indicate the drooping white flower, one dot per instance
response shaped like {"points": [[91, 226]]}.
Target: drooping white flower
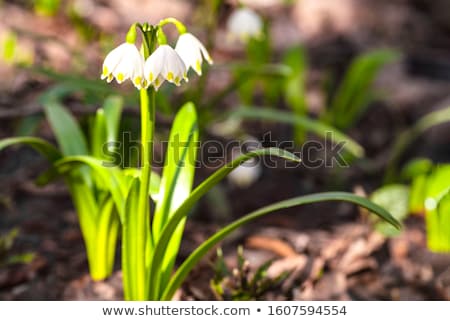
{"points": [[245, 23], [124, 62], [164, 64], [246, 174], [192, 52], [249, 171]]}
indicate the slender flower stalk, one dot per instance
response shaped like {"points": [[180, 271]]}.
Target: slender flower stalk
{"points": [[147, 98]]}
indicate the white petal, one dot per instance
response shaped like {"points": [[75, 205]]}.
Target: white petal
{"points": [[111, 61], [123, 70], [192, 52], [137, 76], [153, 65], [245, 174], [164, 64], [245, 23], [122, 63], [158, 82]]}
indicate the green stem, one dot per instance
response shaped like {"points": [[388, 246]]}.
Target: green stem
{"points": [[180, 27], [137, 236], [143, 226]]}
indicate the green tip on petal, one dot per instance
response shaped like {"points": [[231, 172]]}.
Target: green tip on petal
{"points": [[198, 66], [169, 76], [120, 77], [137, 81]]}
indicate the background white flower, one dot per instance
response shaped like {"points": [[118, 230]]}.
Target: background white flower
{"points": [[246, 174], [124, 62], [249, 171], [245, 23], [192, 52], [164, 64]]}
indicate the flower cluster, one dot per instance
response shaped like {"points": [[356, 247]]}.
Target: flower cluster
{"points": [[165, 63]]}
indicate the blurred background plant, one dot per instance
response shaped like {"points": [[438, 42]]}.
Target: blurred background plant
{"points": [[6, 245], [240, 283]]}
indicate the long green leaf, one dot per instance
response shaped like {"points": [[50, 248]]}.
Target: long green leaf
{"points": [[107, 230], [129, 247], [198, 254], [113, 110], [177, 180], [178, 172], [406, 138], [438, 185], [105, 127], [312, 125], [155, 181], [197, 193], [354, 92], [69, 135], [111, 176], [46, 149], [87, 210], [295, 87], [98, 133]]}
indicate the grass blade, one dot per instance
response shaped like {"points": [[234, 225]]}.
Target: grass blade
{"points": [[197, 193], [176, 183], [46, 149], [129, 247], [113, 110], [111, 177], [406, 138], [312, 125], [295, 87], [69, 135], [198, 254], [353, 94]]}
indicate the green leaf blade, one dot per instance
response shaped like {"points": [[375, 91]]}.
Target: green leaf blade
{"points": [[312, 125], [198, 254], [43, 147], [176, 183], [129, 243], [197, 193], [69, 135]]}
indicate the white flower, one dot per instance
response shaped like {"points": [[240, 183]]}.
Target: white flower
{"points": [[124, 62], [245, 23], [192, 52], [245, 174], [249, 171], [164, 64]]}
